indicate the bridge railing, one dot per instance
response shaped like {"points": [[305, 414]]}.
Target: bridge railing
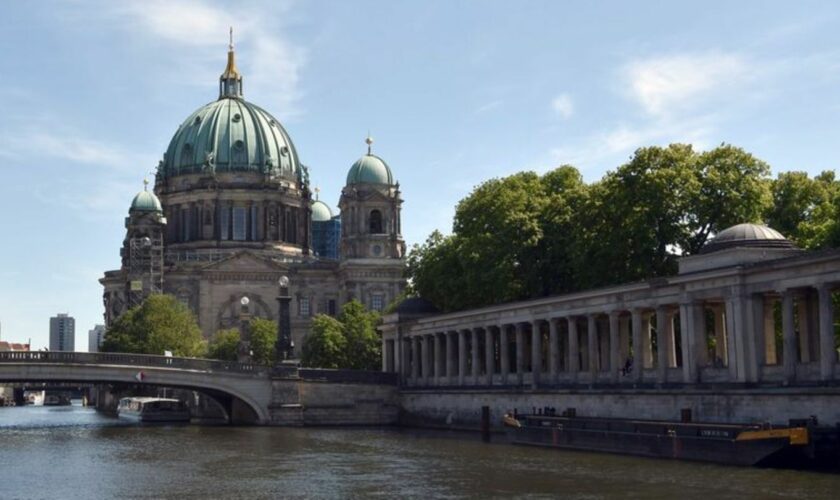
{"points": [[109, 358]]}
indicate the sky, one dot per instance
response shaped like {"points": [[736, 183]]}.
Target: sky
{"points": [[453, 93]]}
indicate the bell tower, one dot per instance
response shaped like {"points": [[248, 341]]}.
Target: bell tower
{"points": [[142, 250]]}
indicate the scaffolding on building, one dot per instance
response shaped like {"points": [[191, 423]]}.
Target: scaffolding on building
{"points": [[145, 267]]}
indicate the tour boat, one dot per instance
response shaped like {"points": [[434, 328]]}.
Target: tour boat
{"points": [[800, 444], [153, 410], [57, 400]]}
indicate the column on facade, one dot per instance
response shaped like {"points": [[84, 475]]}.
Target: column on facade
{"points": [[451, 359], [771, 357], [574, 348], [592, 345], [424, 358], [489, 355], [828, 352], [504, 353], [415, 361], [536, 352], [801, 304], [664, 339], [439, 357], [520, 352], [721, 358], [462, 356], [615, 352], [691, 329], [636, 317], [623, 341], [406, 358], [789, 357], [647, 342], [476, 364], [553, 351], [385, 354]]}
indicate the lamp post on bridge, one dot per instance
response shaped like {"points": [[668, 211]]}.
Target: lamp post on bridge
{"points": [[284, 347]]}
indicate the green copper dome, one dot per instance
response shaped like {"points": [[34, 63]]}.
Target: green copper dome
{"points": [[145, 201], [321, 211], [370, 169], [231, 135]]}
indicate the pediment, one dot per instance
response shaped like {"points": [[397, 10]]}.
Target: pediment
{"points": [[244, 261]]}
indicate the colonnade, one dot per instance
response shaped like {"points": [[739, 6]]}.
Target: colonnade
{"points": [[779, 336]]}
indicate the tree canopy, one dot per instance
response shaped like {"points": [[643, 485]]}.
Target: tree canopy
{"points": [[527, 236], [263, 340], [161, 323], [349, 341], [224, 345]]}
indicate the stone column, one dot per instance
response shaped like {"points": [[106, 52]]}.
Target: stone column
{"points": [[688, 333], [553, 351], [489, 358], [770, 355], [439, 362], [536, 353], [638, 348], [451, 362], [504, 353], [386, 354], [474, 357], [804, 328], [623, 340], [828, 353], [664, 329], [462, 356], [647, 342], [614, 348], [789, 335], [592, 344], [426, 359], [520, 352], [720, 338], [574, 349], [415, 361]]}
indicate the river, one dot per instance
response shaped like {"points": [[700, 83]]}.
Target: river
{"points": [[74, 452]]}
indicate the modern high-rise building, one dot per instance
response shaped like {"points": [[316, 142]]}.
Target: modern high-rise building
{"points": [[62, 333], [95, 338]]}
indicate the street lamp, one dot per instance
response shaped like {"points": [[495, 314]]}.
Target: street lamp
{"points": [[284, 345], [244, 331]]}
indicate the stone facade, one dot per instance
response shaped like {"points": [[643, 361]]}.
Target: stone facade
{"points": [[231, 213], [751, 311]]}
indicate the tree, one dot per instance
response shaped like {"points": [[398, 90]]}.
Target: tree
{"points": [[224, 345], [805, 210], [161, 323], [263, 340], [364, 347], [348, 342], [324, 346]]}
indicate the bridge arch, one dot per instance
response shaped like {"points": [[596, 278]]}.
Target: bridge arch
{"points": [[248, 383]]}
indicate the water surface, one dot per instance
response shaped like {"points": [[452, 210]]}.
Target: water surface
{"points": [[73, 452]]}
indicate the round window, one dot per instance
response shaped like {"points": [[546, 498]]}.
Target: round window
{"points": [[237, 117], [238, 144]]}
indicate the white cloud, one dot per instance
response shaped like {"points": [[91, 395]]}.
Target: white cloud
{"points": [[563, 105], [197, 32], [666, 84]]}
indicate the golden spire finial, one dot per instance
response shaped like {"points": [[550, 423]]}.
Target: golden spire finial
{"points": [[230, 46], [230, 83]]}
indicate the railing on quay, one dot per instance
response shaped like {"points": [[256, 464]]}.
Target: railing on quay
{"points": [[347, 376], [108, 358]]}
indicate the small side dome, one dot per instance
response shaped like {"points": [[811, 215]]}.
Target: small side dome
{"points": [[145, 201], [747, 235], [321, 211], [370, 169]]}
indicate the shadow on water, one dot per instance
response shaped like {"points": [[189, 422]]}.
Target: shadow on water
{"points": [[92, 456]]}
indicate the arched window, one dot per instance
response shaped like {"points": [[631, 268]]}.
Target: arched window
{"points": [[375, 222]]}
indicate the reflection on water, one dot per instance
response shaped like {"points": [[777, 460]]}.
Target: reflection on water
{"points": [[73, 452]]}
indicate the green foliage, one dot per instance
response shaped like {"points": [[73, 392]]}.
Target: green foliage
{"points": [[161, 323], [350, 342], [263, 340], [325, 345], [224, 345], [527, 236]]}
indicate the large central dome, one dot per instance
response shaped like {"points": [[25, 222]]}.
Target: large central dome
{"points": [[231, 135]]}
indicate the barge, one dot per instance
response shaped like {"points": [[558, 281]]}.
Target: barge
{"points": [[801, 444]]}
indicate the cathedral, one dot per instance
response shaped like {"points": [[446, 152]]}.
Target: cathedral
{"points": [[232, 211]]}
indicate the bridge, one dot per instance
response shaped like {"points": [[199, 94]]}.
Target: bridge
{"points": [[244, 387]]}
